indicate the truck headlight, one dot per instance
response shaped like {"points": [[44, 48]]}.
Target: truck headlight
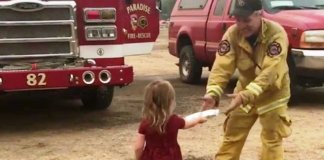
{"points": [[99, 33], [312, 39], [99, 15]]}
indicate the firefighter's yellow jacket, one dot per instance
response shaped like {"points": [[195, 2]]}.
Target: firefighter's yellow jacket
{"points": [[263, 72]]}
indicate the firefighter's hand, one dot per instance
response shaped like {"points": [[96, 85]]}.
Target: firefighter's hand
{"points": [[209, 102], [236, 102]]}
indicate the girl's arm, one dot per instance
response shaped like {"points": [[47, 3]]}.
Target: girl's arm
{"points": [[139, 145], [194, 119], [199, 117]]}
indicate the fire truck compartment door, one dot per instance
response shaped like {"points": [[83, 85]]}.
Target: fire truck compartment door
{"points": [[141, 26]]}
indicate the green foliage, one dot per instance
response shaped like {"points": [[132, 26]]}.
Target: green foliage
{"points": [[167, 6]]}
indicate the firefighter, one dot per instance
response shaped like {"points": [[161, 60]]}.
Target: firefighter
{"points": [[257, 48]]}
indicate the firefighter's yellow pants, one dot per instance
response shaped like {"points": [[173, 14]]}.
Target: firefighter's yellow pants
{"points": [[275, 127]]}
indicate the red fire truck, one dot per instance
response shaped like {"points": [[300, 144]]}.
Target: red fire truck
{"points": [[74, 45]]}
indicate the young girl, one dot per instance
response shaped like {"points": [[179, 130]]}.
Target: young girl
{"points": [[158, 131]]}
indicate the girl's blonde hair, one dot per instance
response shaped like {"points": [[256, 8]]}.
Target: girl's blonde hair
{"points": [[159, 97]]}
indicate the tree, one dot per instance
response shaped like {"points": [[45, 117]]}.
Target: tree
{"points": [[167, 6]]}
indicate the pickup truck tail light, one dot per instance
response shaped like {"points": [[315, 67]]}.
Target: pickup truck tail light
{"points": [[99, 15], [312, 39]]}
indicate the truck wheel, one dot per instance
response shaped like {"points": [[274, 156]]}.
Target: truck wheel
{"points": [[189, 68], [97, 98]]}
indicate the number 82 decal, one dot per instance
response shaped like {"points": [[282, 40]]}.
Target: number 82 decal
{"points": [[36, 79]]}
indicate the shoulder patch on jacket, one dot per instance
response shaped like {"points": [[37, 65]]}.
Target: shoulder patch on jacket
{"points": [[224, 47], [274, 49]]}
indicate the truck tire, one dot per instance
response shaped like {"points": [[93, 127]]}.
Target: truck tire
{"points": [[190, 69], [293, 79], [97, 98]]}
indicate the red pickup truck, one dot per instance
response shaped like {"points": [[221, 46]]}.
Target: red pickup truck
{"points": [[197, 26]]}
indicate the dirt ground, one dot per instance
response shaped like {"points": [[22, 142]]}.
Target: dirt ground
{"points": [[46, 127]]}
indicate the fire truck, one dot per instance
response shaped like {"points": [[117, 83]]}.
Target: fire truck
{"points": [[76, 45]]}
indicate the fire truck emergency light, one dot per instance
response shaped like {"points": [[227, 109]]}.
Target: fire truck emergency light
{"points": [[98, 33], [99, 15]]}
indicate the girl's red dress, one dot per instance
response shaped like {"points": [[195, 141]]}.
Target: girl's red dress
{"points": [[162, 146]]}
